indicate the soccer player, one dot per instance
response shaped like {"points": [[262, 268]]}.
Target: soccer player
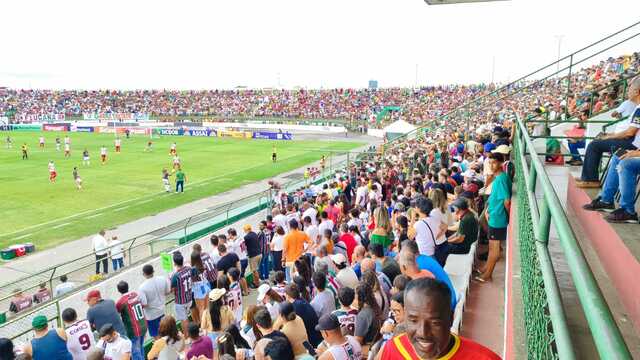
{"points": [[176, 162], [57, 143], [85, 157], [172, 150], [76, 178], [80, 339], [67, 140], [130, 309], [52, 172], [118, 143], [103, 154], [274, 155], [41, 143], [25, 154], [165, 180], [67, 150], [322, 163], [149, 146], [8, 142]]}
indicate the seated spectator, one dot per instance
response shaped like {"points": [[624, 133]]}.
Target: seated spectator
{"points": [[304, 311], [467, 232], [19, 302], [47, 343], [200, 345], [426, 301], [170, 343], [115, 345], [293, 328], [575, 142], [270, 299], [621, 175], [388, 265], [624, 139], [409, 267], [64, 286], [279, 349], [265, 325], [42, 295]]}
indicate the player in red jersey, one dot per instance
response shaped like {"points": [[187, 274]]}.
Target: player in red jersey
{"points": [[130, 309], [172, 149], [52, 172], [428, 318]]}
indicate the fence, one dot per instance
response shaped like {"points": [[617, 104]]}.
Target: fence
{"points": [[185, 233], [545, 325]]}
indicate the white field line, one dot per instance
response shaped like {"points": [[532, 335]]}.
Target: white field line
{"points": [[93, 216], [23, 236], [122, 208], [144, 202], [61, 225], [140, 198]]}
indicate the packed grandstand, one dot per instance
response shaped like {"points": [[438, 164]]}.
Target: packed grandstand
{"points": [[364, 265]]}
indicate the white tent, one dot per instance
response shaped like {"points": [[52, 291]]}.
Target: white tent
{"points": [[399, 127]]}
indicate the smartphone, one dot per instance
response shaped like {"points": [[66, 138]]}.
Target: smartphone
{"points": [[620, 152]]}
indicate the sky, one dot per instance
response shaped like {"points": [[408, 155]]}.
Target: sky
{"points": [[223, 44]]}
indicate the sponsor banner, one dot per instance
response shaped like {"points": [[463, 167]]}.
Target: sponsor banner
{"points": [[115, 116], [83, 129], [171, 131], [41, 118], [121, 130], [55, 127], [236, 134], [26, 127], [200, 132], [272, 135]]}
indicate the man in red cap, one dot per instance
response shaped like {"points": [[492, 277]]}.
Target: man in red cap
{"points": [[103, 311]]}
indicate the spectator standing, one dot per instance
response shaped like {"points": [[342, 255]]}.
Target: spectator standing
{"points": [[153, 296], [227, 260], [103, 311], [339, 346], [368, 320], [264, 239], [254, 253], [293, 247], [101, 250], [239, 246], [47, 343], [182, 288], [293, 327], [277, 246], [132, 314], [200, 345], [117, 253], [305, 311], [80, 337], [64, 287], [323, 302], [423, 227], [181, 178]]}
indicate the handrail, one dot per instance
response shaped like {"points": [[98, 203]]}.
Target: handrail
{"points": [[516, 83], [606, 335]]}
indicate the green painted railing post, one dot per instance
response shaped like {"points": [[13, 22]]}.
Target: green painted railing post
{"points": [[544, 224]]}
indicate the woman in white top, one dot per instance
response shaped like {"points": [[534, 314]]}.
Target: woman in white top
{"points": [[439, 214], [277, 246], [170, 344], [423, 228]]}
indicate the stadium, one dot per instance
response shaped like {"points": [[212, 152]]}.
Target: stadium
{"points": [[158, 211]]}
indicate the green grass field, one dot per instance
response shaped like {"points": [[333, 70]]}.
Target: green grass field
{"points": [[129, 185]]}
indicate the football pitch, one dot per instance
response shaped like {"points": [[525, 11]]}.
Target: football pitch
{"points": [[128, 186]]}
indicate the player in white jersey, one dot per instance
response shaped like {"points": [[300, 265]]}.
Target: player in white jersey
{"points": [[172, 150], [52, 172], [67, 150], [176, 162], [118, 142], [57, 143], [80, 340], [42, 143], [103, 154], [67, 140]]}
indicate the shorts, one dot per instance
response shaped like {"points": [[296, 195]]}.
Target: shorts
{"points": [[254, 262], [154, 326], [201, 289], [86, 158], [103, 157], [497, 233], [243, 265], [182, 311]]}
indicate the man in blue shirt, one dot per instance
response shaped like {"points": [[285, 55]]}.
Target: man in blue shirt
{"points": [[497, 213]]}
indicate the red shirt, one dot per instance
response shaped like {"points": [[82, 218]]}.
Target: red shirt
{"points": [[400, 348], [350, 242]]}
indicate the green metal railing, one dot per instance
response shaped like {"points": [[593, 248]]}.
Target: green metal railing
{"points": [[546, 326]]}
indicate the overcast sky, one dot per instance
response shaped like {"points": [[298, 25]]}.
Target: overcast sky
{"points": [[136, 44]]}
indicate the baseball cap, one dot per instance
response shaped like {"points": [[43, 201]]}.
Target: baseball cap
{"points": [[216, 294], [338, 258], [262, 291], [39, 322], [93, 294], [488, 147], [328, 322], [502, 149], [460, 203]]}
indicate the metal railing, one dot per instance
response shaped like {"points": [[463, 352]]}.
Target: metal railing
{"points": [[546, 327], [174, 237]]}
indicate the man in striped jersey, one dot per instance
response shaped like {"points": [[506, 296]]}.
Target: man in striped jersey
{"points": [[211, 274], [234, 296], [181, 286], [130, 309]]}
